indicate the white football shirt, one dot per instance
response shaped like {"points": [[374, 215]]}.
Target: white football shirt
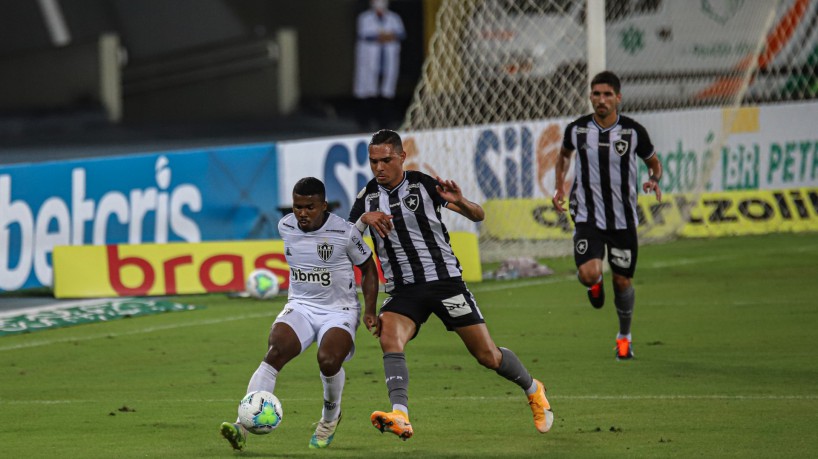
{"points": [[321, 262]]}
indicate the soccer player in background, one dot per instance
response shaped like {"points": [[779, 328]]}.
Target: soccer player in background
{"points": [[602, 203], [423, 277], [322, 303]]}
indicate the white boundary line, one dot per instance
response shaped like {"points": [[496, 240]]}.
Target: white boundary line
{"points": [[658, 397]]}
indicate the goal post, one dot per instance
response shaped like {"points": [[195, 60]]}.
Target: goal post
{"points": [[503, 78]]}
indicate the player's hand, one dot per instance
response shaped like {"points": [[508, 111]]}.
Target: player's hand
{"points": [[372, 323], [653, 185], [559, 200], [379, 221], [449, 190]]}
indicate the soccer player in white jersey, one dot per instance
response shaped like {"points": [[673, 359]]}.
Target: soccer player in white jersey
{"points": [[322, 303], [423, 277], [603, 197]]}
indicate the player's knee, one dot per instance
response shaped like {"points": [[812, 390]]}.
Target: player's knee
{"points": [[490, 359], [329, 364], [390, 343], [395, 332], [589, 276], [278, 355], [621, 283]]}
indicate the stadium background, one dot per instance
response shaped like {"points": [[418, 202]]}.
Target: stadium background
{"points": [[726, 325], [217, 107]]}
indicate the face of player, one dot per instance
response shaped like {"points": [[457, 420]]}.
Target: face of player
{"points": [[605, 100], [386, 165], [309, 211]]}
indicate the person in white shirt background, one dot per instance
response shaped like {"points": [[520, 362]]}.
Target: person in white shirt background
{"points": [[377, 64]]}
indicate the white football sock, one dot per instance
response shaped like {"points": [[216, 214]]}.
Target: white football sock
{"points": [[263, 379], [333, 388]]}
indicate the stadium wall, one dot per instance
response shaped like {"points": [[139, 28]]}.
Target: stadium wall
{"points": [[771, 147], [235, 192]]}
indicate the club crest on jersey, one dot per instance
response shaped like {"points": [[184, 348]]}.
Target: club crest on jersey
{"points": [[621, 147], [412, 202], [324, 251]]}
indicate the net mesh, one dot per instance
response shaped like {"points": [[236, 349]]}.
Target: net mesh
{"points": [[503, 78]]}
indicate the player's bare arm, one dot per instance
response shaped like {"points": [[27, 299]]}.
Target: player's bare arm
{"points": [[369, 286], [451, 192], [652, 185], [560, 168]]}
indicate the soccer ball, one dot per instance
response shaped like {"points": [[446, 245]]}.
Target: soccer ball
{"points": [[260, 412], [262, 284]]}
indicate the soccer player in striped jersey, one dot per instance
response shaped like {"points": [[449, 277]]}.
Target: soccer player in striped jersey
{"points": [[602, 203], [423, 277], [322, 303]]}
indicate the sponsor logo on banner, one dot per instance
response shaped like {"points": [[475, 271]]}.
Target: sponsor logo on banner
{"points": [[67, 315], [163, 269], [156, 198], [713, 214]]}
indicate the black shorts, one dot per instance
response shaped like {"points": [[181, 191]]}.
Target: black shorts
{"points": [[450, 300], [623, 247]]}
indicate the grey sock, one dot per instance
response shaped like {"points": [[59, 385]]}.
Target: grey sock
{"points": [[512, 369], [624, 309], [397, 377]]}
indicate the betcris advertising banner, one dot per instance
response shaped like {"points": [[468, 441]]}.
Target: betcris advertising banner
{"points": [[761, 148], [188, 196]]}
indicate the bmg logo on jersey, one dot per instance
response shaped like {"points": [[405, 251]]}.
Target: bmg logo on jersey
{"points": [[320, 276]]}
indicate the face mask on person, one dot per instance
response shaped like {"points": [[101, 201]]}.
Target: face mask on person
{"points": [[380, 5]]}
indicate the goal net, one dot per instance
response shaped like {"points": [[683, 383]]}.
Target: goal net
{"points": [[503, 78]]}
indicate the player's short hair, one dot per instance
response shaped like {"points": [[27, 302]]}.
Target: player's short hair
{"points": [[609, 78], [387, 137], [310, 186]]}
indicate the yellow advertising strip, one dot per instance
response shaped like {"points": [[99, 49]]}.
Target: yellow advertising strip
{"points": [[190, 268], [712, 215], [163, 269], [467, 250]]}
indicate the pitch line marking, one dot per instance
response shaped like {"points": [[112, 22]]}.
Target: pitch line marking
{"points": [[467, 398]]}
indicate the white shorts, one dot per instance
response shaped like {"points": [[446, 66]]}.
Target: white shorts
{"points": [[311, 323]]}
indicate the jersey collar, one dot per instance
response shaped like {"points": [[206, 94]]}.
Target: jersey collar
{"points": [[601, 129], [396, 186]]}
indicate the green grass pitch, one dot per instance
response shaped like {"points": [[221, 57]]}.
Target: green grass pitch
{"points": [[725, 336]]}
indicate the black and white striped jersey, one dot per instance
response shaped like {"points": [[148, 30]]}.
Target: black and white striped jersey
{"points": [[417, 250], [605, 189]]}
